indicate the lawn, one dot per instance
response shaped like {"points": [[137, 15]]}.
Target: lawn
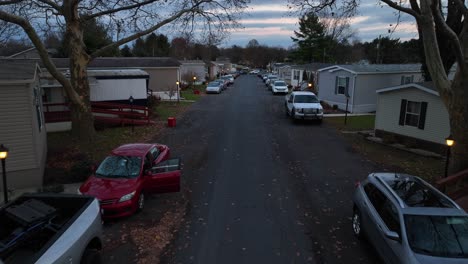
{"points": [[188, 93], [69, 161], [395, 160], [353, 123]]}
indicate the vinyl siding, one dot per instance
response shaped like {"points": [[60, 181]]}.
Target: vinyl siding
{"points": [[162, 79], [191, 69], [16, 121], [437, 126], [20, 133], [326, 88]]}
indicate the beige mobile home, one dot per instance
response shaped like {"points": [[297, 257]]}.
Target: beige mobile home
{"points": [[22, 124]]}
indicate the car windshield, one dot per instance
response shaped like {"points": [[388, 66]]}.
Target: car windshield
{"points": [[302, 98], [119, 167], [441, 236], [213, 84], [280, 84]]}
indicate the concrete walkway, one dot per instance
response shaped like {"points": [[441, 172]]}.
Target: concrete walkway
{"points": [[342, 114], [67, 188]]}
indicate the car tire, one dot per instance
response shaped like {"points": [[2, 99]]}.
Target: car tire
{"points": [[320, 121], [91, 256], [357, 224], [141, 202]]}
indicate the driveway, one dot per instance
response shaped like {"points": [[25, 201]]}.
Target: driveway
{"points": [[263, 189]]}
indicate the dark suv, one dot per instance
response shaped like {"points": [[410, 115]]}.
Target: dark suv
{"points": [[409, 221]]}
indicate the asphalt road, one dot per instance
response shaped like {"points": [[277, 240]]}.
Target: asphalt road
{"points": [[264, 189]]}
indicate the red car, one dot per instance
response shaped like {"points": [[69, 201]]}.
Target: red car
{"points": [[131, 171]]}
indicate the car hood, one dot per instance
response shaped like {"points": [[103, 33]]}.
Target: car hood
{"points": [[307, 106], [436, 260], [105, 188]]}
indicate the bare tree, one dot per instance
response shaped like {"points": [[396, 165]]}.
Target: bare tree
{"points": [[444, 34], [129, 19]]}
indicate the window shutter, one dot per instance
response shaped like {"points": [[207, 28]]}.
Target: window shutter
{"points": [[347, 87], [336, 85], [412, 78], [402, 80], [402, 112], [422, 115]]}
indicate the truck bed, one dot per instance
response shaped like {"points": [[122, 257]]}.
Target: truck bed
{"points": [[30, 224]]}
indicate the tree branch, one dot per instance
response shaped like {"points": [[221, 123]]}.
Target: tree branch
{"points": [[51, 4], [123, 8], [462, 6], [10, 2], [431, 49], [452, 36], [402, 9], [147, 31], [35, 39]]}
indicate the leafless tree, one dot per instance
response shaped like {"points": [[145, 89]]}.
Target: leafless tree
{"points": [[129, 19], [444, 34]]}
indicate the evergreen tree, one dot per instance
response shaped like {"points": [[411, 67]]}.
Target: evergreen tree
{"points": [[310, 39]]}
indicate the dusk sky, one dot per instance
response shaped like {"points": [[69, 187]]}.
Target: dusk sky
{"points": [[270, 23]]}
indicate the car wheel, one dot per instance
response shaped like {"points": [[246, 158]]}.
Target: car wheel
{"points": [[141, 202], [293, 114], [91, 256], [357, 224]]}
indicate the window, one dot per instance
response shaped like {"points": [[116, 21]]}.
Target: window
{"points": [[407, 79], [413, 110], [296, 75], [389, 215], [376, 197], [341, 85], [38, 106], [413, 113]]}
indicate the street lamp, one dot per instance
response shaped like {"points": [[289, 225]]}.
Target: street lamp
{"points": [[3, 156], [450, 142], [178, 91], [131, 107]]}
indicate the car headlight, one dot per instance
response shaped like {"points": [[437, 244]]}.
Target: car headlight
{"points": [[299, 110], [127, 197], [320, 111], [78, 191]]}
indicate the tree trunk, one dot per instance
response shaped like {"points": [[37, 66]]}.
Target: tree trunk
{"points": [[458, 112], [82, 117]]}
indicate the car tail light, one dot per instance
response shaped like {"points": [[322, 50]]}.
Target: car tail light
{"points": [[357, 184]]}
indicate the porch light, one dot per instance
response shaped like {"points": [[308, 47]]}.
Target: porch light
{"points": [[3, 156], [3, 152], [449, 141]]}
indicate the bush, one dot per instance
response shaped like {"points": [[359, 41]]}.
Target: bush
{"points": [[335, 107]]}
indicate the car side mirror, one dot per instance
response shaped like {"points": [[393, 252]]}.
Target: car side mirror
{"points": [[290, 101], [393, 236]]}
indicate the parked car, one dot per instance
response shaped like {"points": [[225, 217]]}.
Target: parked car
{"points": [[214, 87], [128, 174], [228, 77], [224, 82], [303, 105], [408, 221], [279, 87], [269, 80], [51, 228]]}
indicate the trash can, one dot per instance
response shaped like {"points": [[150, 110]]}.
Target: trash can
{"points": [[171, 122]]}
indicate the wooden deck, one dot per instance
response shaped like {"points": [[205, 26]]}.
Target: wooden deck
{"points": [[111, 113], [456, 187]]}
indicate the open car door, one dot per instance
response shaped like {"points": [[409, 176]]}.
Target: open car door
{"points": [[164, 177]]}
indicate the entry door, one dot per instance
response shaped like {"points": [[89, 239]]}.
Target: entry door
{"points": [[165, 176]]}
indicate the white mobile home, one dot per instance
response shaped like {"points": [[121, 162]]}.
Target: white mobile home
{"points": [[359, 83], [414, 114]]}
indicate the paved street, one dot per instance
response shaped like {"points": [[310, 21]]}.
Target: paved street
{"points": [[263, 189]]}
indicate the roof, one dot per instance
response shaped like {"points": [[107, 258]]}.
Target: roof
{"points": [[123, 62], [411, 191], [138, 149], [120, 72], [311, 66], [18, 72], [375, 68], [427, 87], [191, 62], [302, 93]]}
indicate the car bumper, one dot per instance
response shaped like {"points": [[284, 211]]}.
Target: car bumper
{"points": [[308, 116], [117, 210], [285, 91], [213, 91]]}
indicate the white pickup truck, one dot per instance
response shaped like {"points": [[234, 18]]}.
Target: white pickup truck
{"points": [[50, 228]]}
